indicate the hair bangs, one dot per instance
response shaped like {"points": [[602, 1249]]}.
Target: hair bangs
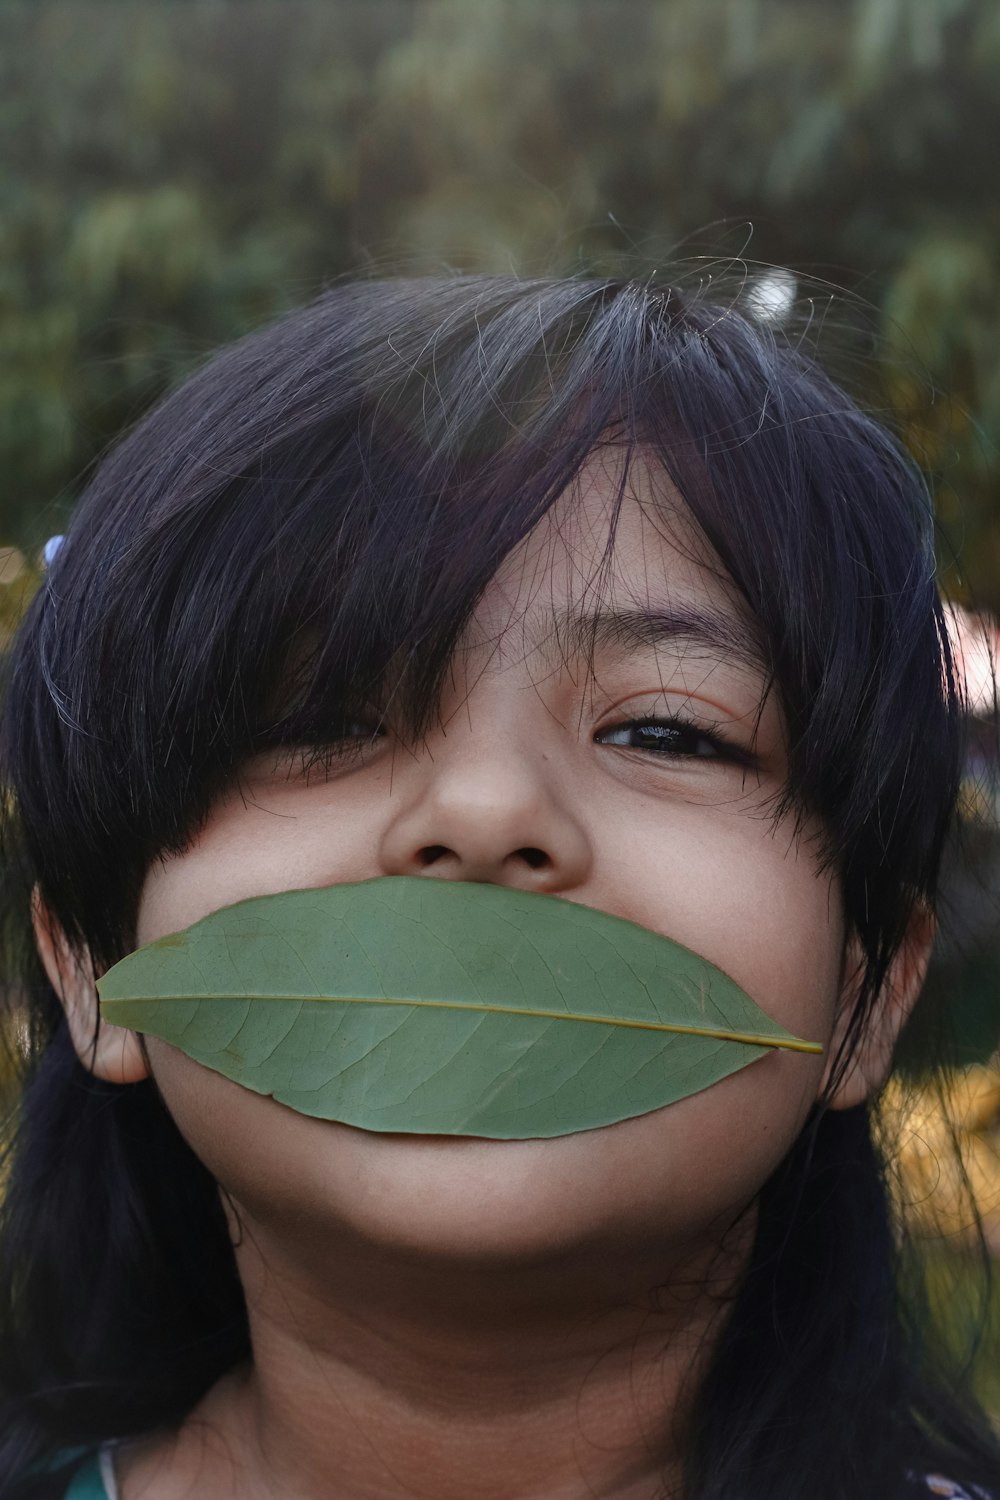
{"points": [[311, 516]]}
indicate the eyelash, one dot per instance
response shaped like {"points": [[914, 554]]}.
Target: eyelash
{"points": [[677, 728], [307, 756]]}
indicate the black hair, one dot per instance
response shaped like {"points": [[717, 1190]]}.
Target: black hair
{"points": [[316, 512]]}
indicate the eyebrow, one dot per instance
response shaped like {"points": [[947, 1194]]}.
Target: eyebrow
{"points": [[719, 632]]}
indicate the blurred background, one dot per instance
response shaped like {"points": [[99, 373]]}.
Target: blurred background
{"points": [[175, 172]]}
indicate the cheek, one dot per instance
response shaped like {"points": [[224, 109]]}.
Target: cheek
{"points": [[744, 895], [247, 850]]}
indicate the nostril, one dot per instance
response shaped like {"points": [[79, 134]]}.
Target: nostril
{"points": [[432, 853], [535, 859]]}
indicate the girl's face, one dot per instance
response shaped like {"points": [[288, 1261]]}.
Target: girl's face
{"points": [[603, 740]]}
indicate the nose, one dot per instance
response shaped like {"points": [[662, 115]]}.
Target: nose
{"points": [[497, 818]]}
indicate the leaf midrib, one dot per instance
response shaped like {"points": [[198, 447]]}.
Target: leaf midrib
{"points": [[720, 1033]]}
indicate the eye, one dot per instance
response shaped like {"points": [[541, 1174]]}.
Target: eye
{"points": [[356, 729], [351, 737], [672, 738], [316, 757]]}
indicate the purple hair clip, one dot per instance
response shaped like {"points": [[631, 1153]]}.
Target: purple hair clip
{"points": [[51, 549]]}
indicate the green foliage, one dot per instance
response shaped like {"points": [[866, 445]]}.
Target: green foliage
{"points": [[172, 174], [170, 177], [963, 1298]]}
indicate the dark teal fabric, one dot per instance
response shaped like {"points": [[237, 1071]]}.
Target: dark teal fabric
{"points": [[87, 1483], [69, 1476]]}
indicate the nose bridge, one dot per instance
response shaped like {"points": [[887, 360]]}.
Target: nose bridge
{"points": [[485, 804]]}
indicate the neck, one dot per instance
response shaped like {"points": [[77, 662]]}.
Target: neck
{"points": [[392, 1379]]}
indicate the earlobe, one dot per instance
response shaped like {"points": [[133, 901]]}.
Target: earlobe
{"points": [[109, 1052], [871, 1062]]}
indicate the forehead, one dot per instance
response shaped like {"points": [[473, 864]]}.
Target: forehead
{"points": [[619, 540]]}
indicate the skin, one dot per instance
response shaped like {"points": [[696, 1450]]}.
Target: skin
{"points": [[442, 1317]]}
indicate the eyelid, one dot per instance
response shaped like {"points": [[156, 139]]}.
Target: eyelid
{"points": [[322, 757], [367, 733], [305, 749], [288, 735], [662, 693], [677, 705]]}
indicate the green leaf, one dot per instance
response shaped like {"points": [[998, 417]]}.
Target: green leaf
{"points": [[442, 1007]]}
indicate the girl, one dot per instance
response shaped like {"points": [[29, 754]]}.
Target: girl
{"points": [[590, 589]]}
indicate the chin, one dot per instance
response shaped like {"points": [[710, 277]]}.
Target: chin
{"points": [[464, 1198], [602, 1208]]}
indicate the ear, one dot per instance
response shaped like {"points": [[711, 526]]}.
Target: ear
{"points": [[872, 1060], [109, 1052]]}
